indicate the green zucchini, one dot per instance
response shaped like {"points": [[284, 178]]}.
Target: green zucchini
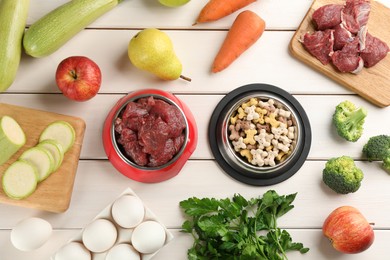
{"points": [[60, 131], [20, 180], [13, 17], [12, 138], [53, 30]]}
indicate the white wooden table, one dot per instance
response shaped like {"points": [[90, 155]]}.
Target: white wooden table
{"points": [[97, 183]]}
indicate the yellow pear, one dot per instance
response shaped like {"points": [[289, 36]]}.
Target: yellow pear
{"points": [[152, 50]]}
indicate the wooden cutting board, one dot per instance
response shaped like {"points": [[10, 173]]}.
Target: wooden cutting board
{"points": [[372, 84], [54, 193]]}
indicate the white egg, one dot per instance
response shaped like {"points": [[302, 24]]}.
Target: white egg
{"points": [[128, 211], [99, 235], [30, 234], [123, 252], [73, 251], [148, 237]]}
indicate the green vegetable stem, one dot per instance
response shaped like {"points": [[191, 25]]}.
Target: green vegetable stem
{"points": [[238, 228]]}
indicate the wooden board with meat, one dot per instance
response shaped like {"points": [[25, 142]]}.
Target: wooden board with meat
{"points": [[348, 42], [54, 193]]}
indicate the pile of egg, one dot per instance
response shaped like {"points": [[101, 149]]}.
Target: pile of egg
{"points": [[126, 229]]}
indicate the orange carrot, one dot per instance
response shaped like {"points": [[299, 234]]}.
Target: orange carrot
{"points": [[244, 32], [216, 9]]}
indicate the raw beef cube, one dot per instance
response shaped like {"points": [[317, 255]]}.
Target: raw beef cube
{"points": [[164, 156], [127, 135], [355, 15], [374, 51], [134, 115], [134, 110], [135, 153], [178, 142], [341, 37], [320, 44], [327, 16], [153, 135], [119, 125], [362, 35], [146, 103], [348, 59], [171, 115]]}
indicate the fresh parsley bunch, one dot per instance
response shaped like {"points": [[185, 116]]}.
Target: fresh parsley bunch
{"points": [[238, 228]]}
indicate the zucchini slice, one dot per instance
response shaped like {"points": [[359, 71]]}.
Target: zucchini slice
{"points": [[12, 138], [41, 159], [56, 150], [20, 180], [60, 131]]}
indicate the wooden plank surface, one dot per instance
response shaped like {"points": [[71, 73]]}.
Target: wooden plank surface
{"points": [[373, 83], [97, 182], [54, 193], [320, 248]]}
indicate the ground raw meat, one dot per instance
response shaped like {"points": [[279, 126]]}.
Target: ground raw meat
{"points": [[341, 37], [320, 44], [150, 131], [348, 59], [355, 15], [327, 16], [374, 51]]}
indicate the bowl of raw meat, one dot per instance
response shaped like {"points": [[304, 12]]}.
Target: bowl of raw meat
{"points": [[149, 135]]}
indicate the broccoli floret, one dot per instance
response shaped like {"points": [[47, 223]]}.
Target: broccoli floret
{"points": [[349, 120], [342, 175], [377, 147], [386, 163]]}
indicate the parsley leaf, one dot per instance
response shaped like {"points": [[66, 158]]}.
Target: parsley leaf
{"points": [[239, 229]]}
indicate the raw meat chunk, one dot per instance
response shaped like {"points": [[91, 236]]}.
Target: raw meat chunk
{"points": [[153, 135], [164, 156], [171, 115], [375, 50], [355, 15], [128, 140], [341, 37], [178, 142], [348, 59], [320, 44], [327, 16], [133, 116], [134, 151]]}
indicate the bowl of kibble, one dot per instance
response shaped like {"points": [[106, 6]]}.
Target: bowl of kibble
{"points": [[149, 135], [260, 134]]}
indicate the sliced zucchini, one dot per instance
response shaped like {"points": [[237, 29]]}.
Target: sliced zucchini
{"points": [[62, 132], [20, 180], [56, 150], [12, 138], [41, 159]]}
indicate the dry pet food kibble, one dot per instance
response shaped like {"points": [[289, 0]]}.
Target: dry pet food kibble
{"points": [[262, 132]]}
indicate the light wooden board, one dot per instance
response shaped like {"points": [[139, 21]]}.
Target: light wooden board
{"points": [[372, 84], [54, 193]]}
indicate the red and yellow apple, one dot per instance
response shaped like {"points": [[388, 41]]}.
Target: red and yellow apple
{"points": [[79, 78], [348, 230]]}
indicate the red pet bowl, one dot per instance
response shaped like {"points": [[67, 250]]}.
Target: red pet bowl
{"points": [[149, 174]]}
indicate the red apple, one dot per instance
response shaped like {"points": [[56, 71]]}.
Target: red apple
{"points": [[348, 230], [78, 78]]}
